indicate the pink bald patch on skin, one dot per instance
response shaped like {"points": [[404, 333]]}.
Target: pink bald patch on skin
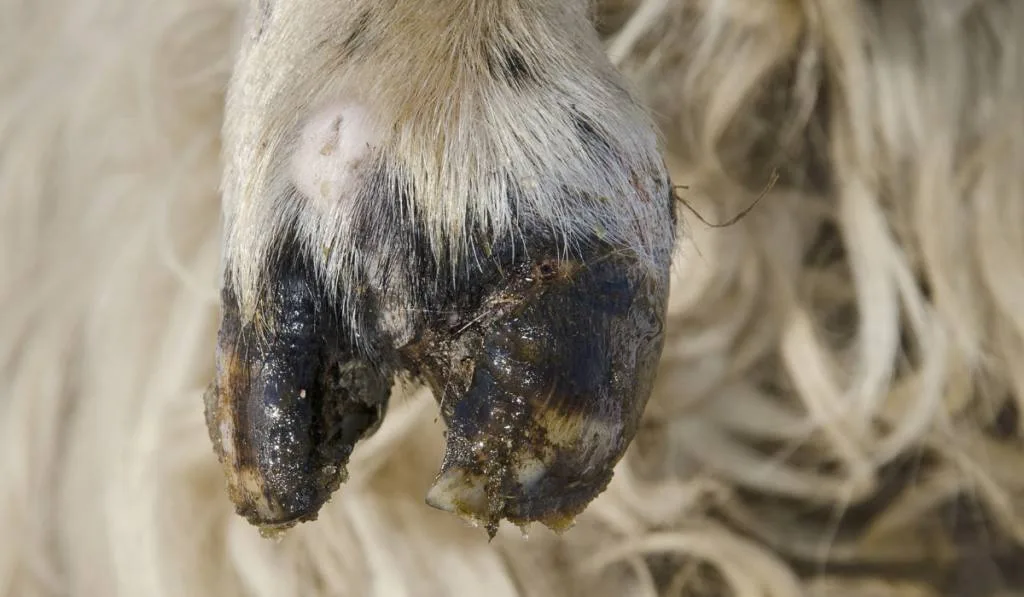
{"points": [[331, 149]]}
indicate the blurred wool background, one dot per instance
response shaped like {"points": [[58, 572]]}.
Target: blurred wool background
{"points": [[838, 408]]}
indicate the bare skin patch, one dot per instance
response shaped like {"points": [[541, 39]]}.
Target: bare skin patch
{"points": [[331, 151]]}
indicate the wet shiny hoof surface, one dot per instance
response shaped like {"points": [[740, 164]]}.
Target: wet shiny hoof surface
{"points": [[542, 362]]}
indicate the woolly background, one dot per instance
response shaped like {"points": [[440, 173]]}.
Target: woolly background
{"points": [[838, 410]]}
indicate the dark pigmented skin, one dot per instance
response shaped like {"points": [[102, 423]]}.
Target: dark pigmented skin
{"points": [[507, 64]]}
